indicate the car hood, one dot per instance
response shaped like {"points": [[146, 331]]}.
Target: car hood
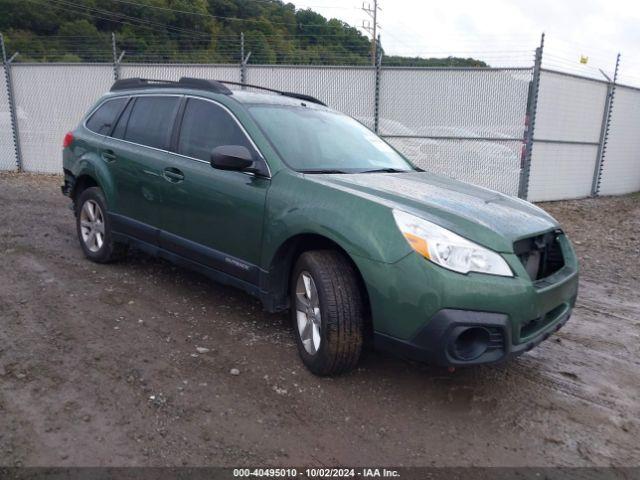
{"points": [[484, 216]]}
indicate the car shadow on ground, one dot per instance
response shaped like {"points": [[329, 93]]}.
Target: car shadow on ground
{"points": [[373, 362]]}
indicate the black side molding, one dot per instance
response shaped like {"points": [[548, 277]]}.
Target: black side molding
{"points": [[189, 250]]}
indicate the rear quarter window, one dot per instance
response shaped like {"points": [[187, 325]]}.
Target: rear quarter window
{"points": [[121, 126], [103, 118]]}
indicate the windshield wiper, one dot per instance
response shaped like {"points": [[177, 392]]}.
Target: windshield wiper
{"points": [[386, 170], [329, 170]]}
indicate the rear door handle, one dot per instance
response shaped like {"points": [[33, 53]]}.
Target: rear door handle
{"points": [[173, 175], [108, 156]]}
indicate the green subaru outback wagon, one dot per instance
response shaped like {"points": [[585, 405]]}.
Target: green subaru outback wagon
{"points": [[310, 211]]}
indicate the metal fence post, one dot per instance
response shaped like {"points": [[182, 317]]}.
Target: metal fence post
{"points": [[244, 61], [532, 105], [116, 59], [604, 130], [376, 105], [12, 102]]}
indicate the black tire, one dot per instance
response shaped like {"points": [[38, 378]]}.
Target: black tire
{"points": [[341, 312], [109, 250]]}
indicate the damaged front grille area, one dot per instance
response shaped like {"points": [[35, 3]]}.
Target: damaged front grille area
{"points": [[541, 255], [533, 326]]}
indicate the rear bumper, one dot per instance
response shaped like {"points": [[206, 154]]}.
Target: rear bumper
{"points": [[438, 343], [69, 183]]}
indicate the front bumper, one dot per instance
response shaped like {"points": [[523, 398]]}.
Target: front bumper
{"points": [[419, 309], [436, 343]]}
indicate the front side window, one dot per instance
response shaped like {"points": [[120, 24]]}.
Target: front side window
{"points": [[151, 121], [317, 140], [206, 126], [103, 118]]}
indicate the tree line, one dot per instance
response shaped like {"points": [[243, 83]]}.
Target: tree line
{"points": [[198, 31]]}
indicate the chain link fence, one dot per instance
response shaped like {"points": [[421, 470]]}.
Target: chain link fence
{"points": [[473, 124], [347, 89], [465, 123], [50, 101], [229, 73]]}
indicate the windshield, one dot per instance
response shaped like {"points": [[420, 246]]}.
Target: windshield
{"points": [[318, 141]]}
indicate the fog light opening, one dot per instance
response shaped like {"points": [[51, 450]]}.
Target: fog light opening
{"points": [[471, 343]]}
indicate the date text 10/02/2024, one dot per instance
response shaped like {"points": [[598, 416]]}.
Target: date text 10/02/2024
{"points": [[316, 472]]}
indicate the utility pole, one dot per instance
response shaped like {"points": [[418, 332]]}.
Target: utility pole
{"points": [[372, 28]]}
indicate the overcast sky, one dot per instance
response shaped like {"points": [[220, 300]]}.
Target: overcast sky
{"points": [[505, 32]]}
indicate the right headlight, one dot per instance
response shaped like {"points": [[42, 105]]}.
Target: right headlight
{"points": [[447, 249]]}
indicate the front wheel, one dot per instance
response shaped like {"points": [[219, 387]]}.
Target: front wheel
{"points": [[327, 312]]}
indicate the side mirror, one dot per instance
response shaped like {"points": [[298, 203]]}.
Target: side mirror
{"points": [[231, 157]]}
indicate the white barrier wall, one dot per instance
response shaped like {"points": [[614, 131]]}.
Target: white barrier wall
{"points": [[567, 131], [174, 72], [621, 166], [561, 171], [51, 100], [347, 89], [454, 102], [472, 121], [463, 123]]}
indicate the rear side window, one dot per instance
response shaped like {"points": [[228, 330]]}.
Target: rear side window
{"points": [[206, 126], [103, 118], [151, 120]]}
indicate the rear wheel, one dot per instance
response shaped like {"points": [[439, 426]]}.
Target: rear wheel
{"points": [[327, 312], [94, 228]]}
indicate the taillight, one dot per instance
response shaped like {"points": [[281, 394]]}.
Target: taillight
{"points": [[68, 140]]}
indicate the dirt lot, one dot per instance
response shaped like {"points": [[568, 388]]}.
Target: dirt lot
{"points": [[99, 365]]}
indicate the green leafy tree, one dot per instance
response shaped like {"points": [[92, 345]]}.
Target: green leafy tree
{"points": [[206, 31]]}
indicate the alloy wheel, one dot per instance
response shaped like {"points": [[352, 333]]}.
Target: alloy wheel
{"points": [[92, 225], [308, 313]]}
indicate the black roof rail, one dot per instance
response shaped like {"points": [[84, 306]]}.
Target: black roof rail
{"points": [[216, 86], [303, 96], [300, 96], [184, 82]]}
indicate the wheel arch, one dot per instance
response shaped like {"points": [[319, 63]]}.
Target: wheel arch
{"points": [[90, 172], [83, 182], [284, 259]]}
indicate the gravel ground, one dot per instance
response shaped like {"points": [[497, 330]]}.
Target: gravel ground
{"points": [[106, 365]]}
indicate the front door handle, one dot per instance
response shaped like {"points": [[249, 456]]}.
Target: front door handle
{"points": [[108, 156], [173, 175]]}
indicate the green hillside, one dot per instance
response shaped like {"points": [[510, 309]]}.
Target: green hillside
{"points": [[205, 31]]}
